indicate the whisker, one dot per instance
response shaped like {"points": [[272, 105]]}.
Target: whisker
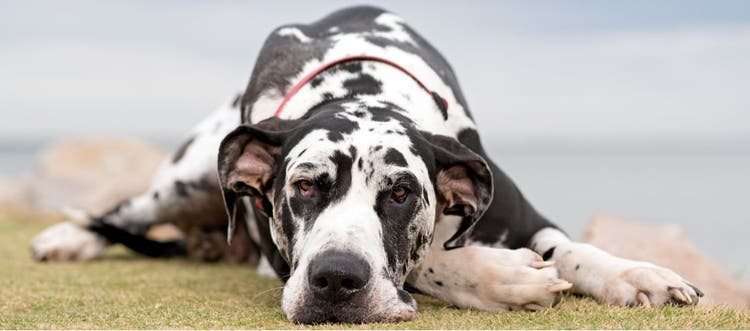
{"points": [[268, 290]]}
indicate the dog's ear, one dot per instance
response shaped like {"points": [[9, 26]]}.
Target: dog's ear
{"points": [[464, 184], [248, 158]]}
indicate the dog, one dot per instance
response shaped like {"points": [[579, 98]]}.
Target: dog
{"points": [[351, 162]]}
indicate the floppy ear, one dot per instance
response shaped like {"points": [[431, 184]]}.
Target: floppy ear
{"points": [[248, 160], [464, 184]]}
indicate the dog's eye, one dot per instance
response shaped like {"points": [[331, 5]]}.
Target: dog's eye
{"points": [[399, 194], [305, 187]]}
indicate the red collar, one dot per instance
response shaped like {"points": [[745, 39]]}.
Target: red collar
{"points": [[441, 102], [258, 202]]}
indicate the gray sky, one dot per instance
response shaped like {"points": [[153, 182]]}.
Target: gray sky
{"points": [[624, 69]]}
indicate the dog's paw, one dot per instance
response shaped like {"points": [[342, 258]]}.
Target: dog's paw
{"points": [[520, 280], [650, 286], [67, 241]]}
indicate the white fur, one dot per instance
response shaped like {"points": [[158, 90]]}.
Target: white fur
{"points": [[395, 24], [294, 32], [609, 278], [201, 156], [67, 241], [264, 268]]}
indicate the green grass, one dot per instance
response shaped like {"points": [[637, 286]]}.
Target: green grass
{"points": [[124, 291]]}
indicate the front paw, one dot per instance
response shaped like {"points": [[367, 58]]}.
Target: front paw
{"points": [[67, 241], [520, 280], [650, 286]]}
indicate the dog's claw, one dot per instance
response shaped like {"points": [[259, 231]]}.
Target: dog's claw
{"points": [[643, 299], [697, 290], [677, 294], [560, 286], [689, 297], [542, 264]]}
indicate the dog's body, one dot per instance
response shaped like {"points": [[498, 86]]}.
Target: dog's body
{"points": [[369, 179]]}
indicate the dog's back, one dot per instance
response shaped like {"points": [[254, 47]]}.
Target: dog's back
{"points": [[293, 50]]}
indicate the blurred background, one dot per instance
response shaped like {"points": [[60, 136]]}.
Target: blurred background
{"points": [[634, 109]]}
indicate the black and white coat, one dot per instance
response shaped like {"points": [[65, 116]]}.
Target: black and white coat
{"points": [[363, 186]]}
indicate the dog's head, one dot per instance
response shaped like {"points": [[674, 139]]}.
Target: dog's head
{"points": [[352, 192]]}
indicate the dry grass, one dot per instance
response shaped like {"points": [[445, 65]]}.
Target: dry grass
{"points": [[124, 291]]}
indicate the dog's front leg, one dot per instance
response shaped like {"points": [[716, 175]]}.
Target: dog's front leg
{"points": [[611, 279], [490, 279]]}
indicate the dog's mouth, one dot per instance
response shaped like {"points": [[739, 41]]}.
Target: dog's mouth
{"points": [[333, 314], [367, 309]]}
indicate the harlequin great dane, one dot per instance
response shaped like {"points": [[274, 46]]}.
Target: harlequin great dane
{"points": [[352, 162]]}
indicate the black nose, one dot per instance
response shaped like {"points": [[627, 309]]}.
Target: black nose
{"points": [[337, 276]]}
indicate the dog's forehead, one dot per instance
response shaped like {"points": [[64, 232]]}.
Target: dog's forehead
{"points": [[375, 143]]}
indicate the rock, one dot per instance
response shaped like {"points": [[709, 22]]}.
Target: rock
{"points": [[92, 175], [12, 194], [672, 250]]}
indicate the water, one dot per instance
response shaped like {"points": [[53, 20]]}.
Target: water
{"points": [[705, 193], [703, 187]]}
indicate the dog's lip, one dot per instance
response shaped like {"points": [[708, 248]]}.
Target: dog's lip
{"points": [[323, 312]]}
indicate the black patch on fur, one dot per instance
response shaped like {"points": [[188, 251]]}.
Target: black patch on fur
{"points": [[204, 184], [359, 164], [181, 189], [441, 104], [395, 221], [411, 289], [425, 195], [328, 191], [420, 241], [352, 152], [315, 82], [353, 67], [182, 149], [578, 266], [287, 224], [387, 114], [323, 117], [363, 84], [155, 196], [394, 157], [439, 283], [302, 152], [548, 254], [343, 164], [237, 101], [327, 96], [137, 242], [404, 296], [335, 136], [278, 261]]}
